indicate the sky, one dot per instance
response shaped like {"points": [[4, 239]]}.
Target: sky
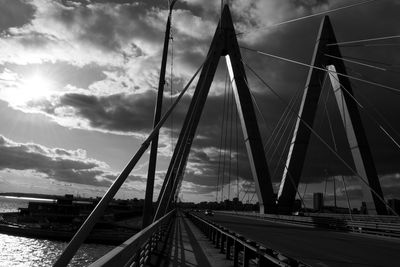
{"points": [[78, 83]]}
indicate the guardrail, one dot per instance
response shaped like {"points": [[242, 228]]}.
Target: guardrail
{"points": [[387, 229], [358, 217], [240, 249], [358, 224], [136, 251]]}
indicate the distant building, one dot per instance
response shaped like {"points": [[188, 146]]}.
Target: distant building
{"points": [[318, 201], [337, 210], [363, 208], [394, 204], [297, 205]]}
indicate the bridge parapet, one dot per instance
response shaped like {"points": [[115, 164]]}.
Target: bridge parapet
{"points": [[136, 251]]}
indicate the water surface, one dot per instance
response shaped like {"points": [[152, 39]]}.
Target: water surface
{"points": [[24, 251]]}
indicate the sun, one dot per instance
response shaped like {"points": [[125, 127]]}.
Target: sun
{"points": [[30, 88], [35, 87]]}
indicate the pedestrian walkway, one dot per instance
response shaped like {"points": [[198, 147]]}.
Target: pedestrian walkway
{"points": [[188, 247]]}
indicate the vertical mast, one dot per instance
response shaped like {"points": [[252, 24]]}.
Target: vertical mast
{"points": [[148, 202]]}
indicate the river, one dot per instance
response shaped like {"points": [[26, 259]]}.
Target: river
{"points": [[23, 251]]}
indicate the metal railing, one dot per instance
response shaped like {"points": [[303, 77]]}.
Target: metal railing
{"points": [[358, 217], [137, 250], [239, 249], [386, 225]]}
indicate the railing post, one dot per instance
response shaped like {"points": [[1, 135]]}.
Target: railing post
{"points": [[248, 253], [218, 238], [137, 257], [149, 249], [246, 256], [223, 238], [214, 234], [229, 242], [263, 261], [235, 253], [236, 249]]}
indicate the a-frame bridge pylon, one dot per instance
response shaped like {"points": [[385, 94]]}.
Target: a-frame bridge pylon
{"points": [[224, 44], [327, 56]]}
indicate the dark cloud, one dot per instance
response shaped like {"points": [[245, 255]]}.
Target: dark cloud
{"points": [[130, 112], [310, 3], [118, 112], [15, 13], [391, 185], [148, 3], [209, 170], [109, 24], [58, 164], [197, 189], [132, 178]]}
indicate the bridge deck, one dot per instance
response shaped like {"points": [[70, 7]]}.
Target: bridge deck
{"points": [[188, 247], [316, 247]]}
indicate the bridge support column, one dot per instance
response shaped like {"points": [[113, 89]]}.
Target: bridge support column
{"points": [[327, 53], [225, 44]]}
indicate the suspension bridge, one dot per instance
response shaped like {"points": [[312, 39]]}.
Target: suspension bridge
{"points": [[275, 235]]}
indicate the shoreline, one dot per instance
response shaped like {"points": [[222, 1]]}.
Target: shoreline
{"points": [[98, 236], [112, 236]]}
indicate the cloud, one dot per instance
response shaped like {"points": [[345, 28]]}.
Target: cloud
{"points": [[193, 188], [125, 113], [114, 113], [102, 33], [71, 166], [391, 185], [15, 14]]}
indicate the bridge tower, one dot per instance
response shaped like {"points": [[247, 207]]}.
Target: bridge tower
{"points": [[224, 44], [332, 65]]}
